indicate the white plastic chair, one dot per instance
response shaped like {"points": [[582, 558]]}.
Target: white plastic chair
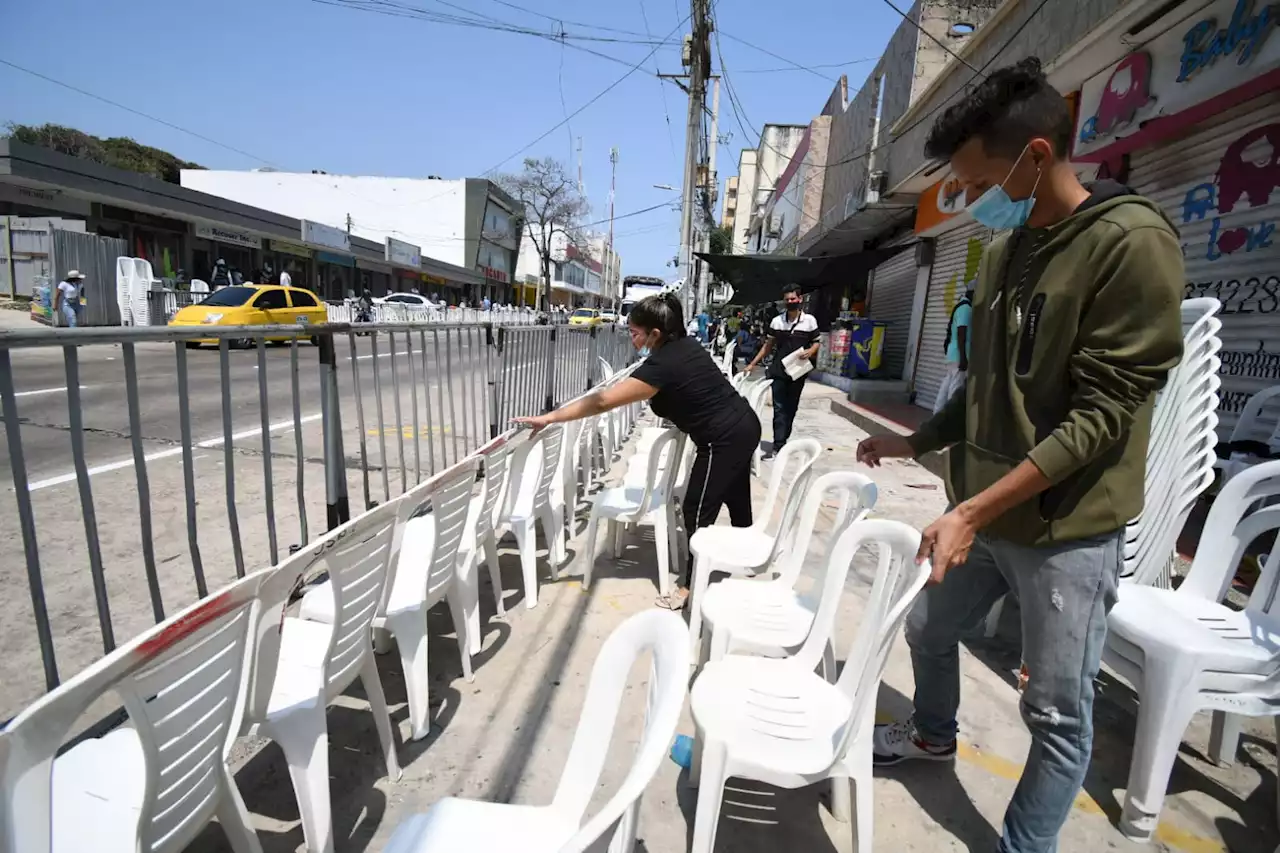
{"points": [[480, 543], [319, 660], [534, 465], [776, 721], [1254, 424], [771, 618], [1184, 651], [726, 362], [139, 292], [564, 489], [124, 280], [651, 504], [454, 824], [155, 782], [750, 551], [757, 393]]}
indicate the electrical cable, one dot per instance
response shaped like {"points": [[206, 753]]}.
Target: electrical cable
{"points": [[796, 65], [931, 37], [600, 27], [848, 64], [140, 113], [662, 90]]}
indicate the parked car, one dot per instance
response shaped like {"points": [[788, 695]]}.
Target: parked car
{"points": [[585, 317], [608, 317], [404, 299], [253, 305]]}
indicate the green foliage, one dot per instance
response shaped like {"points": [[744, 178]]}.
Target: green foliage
{"points": [[118, 151], [721, 240]]}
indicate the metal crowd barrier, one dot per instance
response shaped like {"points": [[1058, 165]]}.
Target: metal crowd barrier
{"points": [[397, 402]]}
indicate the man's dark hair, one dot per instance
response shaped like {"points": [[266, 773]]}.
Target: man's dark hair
{"points": [[1008, 109], [789, 289]]}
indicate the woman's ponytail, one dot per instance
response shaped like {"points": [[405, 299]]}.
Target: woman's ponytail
{"points": [[663, 312]]}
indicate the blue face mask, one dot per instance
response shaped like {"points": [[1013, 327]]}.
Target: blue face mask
{"points": [[644, 352], [995, 209]]}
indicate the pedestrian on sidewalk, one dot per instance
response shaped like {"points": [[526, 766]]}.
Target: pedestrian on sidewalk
{"points": [[956, 347], [1076, 324], [66, 299], [792, 330], [684, 385]]}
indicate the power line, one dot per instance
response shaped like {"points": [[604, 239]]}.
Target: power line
{"points": [[606, 90], [662, 90], [796, 65], [140, 113], [930, 36], [851, 62], [600, 27]]}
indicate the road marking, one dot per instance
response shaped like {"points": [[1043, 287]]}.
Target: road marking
{"points": [[165, 454], [61, 389], [1166, 833]]}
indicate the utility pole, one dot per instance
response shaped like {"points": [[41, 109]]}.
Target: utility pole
{"points": [[611, 261], [697, 58], [712, 190]]}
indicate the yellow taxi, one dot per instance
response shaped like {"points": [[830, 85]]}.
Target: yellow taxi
{"points": [[585, 317], [253, 305]]}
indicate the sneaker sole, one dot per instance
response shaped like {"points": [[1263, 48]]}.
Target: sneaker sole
{"points": [[894, 761]]}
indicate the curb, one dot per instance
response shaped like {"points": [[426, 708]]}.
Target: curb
{"points": [[870, 422]]}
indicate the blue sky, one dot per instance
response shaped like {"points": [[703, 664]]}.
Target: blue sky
{"points": [[303, 85]]}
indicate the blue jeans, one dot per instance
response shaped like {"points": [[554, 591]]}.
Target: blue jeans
{"points": [[1065, 591], [70, 315]]}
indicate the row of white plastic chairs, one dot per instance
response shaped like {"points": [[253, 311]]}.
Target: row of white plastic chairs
{"points": [[236, 664], [392, 312]]}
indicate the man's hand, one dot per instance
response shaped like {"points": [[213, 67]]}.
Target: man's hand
{"points": [[536, 423], [946, 543], [877, 447], [750, 367]]}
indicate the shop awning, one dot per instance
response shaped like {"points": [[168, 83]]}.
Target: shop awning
{"points": [[760, 278]]}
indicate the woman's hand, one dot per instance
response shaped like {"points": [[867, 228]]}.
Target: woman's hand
{"points": [[537, 423]]}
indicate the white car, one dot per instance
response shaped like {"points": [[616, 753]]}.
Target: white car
{"points": [[403, 299]]}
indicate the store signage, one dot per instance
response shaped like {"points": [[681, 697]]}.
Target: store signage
{"points": [[140, 217], [53, 200], [434, 279], [288, 248], [336, 260], [494, 274], [1247, 176], [1190, 64], [325, 235], [405, 254], [229, 236]]}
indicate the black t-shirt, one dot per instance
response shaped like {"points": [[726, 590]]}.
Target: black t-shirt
{"points": [[789, 336], [692, 392]]}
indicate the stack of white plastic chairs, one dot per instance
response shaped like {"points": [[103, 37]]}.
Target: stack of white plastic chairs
{"points": [[140, 292], [124, 283]]}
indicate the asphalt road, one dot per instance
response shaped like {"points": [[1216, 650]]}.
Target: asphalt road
{"points": [[273, 488]]}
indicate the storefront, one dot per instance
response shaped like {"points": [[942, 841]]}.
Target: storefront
{"points": [[241, 250], [337, 276], [892, 293], [372, 276], [157, 239], [296, 260], [957, 254], [1193, 117]]}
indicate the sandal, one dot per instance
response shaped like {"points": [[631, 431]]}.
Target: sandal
{"points": [[675, 601]]}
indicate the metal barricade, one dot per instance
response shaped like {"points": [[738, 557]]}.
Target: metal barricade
{"points": [[163, 304]]}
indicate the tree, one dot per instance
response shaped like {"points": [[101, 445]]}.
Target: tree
{"points": [[117, 151], [553, 211], [721, 240]]}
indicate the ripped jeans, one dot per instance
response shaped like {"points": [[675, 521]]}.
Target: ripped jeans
{"points": [[1065, 591]]}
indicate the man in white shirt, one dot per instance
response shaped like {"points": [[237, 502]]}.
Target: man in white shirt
{"points": [[790, 331], [285, 279], [66, 299]]}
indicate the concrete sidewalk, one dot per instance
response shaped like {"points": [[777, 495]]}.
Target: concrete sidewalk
{"points": [[505, 736]]}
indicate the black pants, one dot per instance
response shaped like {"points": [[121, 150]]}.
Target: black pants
{"points": [[721, 476], [786, 402]]}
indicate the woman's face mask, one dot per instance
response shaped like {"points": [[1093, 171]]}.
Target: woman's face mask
{"points": [[995, 209]]}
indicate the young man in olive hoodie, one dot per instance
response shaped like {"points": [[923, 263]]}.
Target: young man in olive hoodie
{"points": [[1076, 324]]}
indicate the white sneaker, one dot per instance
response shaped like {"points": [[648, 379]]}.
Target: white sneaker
{"points": [[894, 743]]}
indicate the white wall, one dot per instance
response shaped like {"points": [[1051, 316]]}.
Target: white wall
{"points": [[430, 214]]}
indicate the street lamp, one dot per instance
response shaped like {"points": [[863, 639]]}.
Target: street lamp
{"points": [[664, 187]]}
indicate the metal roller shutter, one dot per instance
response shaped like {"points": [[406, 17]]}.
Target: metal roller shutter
{"points": [[893, 288], [955, 261], [1219, 186]]}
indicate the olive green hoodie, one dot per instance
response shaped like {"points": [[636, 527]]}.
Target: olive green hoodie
{"points": [[1075, 327]]}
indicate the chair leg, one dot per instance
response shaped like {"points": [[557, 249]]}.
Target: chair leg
{"points": [[615, 537], [829, 663], [1164, 711], [495, 572], [552, 531], [234, 817], [992, 625], [698, 588], [305, 742], [662, 542], [710, 797], [841, 798], [528, 560], [863, 817], [593, 528], [1224, 738], [381, 715], [411, 638], [461, 613]]}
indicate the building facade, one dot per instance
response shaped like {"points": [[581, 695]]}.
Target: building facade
{"points": [[469, 223], [729, 206]]}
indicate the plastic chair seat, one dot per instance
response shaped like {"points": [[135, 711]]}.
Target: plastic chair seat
{"points": [[776, 715], [757, 614], [300, 673], [739, 547], [97, 793], [454, 824], [624, 500], [1223, 639]]}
